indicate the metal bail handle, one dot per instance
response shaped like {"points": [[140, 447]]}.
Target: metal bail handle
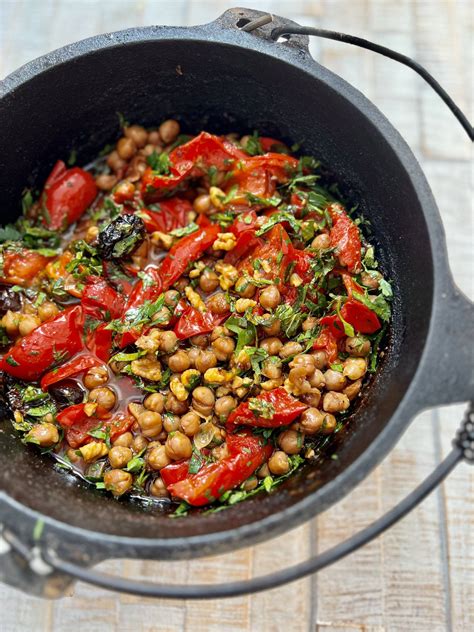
{"points": [[463, 445]]}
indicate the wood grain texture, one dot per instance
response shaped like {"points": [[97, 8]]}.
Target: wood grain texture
{"points": [[419, 576]]}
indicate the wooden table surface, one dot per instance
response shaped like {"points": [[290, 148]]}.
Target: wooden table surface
{"points": [[419, 576]]}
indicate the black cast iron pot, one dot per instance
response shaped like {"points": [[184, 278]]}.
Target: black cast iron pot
{"points": [[218, 78]]}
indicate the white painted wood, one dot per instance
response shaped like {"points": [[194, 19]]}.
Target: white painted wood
{"points": [[420, 575]]}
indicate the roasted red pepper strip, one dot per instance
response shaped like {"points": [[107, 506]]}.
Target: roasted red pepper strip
{"points": [[77, 425], [363, 319], [72, 367], [259, 175], [285, 410], [100, 299], [67, 194], [191, 160], [184, 252], [334, 325], [174, 472], [172, 213], [345, 238], [51, 343], [246, 243], [22, 266], [246, 454], [193, 322], [326, 341], [244, 222]]}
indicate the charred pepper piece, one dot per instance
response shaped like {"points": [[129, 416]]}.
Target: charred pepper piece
{"points": [[121, 236]]}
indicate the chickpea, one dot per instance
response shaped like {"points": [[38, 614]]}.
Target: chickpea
{"points": [[217, 304], [334, 402], [223, 347], [139, 443], [162, 317], [106, 182], [96, 376], [329, 424], [190, 423], [353, 389], [171, 422], [124, 191], [47, 311], [224, 406], [126, 148], [220, 452], [244, 288], [271, 368], [371, 279], [179, 362], [10, 321], [171, 298], [155, 402], [309, 323], [200, 340], [273, 329], [289, 349], [124, 440], [303, 361], [158, 488], [311, 421], [169, 130], [115, 162], [321, 242], [72, 456], [168, 341], [178, 446], [119, 456], [136, 168], [335, 381], [320, 359], [250, 483], [45, 435], [312, 398], [355, 368], [279, 463], [263, 471], [357, 346], [219, 331], [208, 281], [28, 323], [202, 204], [203, 400], [118, 482], [205, 360], [157, 457], [291, 441], [137, 133], [316, 379], [103, 396], [150, 423], [271, 345], [154, 137], [270, 297], [173, 405]]}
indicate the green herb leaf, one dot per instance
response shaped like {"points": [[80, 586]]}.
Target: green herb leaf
{"points": [[261, 408], [185, 230], [245, 330], [160, 163]]}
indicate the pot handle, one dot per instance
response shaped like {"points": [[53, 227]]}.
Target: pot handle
{"points": [[463, 448]]}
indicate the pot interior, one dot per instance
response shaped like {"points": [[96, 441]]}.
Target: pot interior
{"points": [[220, 88]]}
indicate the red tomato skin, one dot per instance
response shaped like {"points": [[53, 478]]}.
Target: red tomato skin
{"points": [[246, 454], [326, 341], [22, 267], [174, 472], [363, 319], [99, 297], [77, 424], [173, 214], [345, 238], [67, 194], [51, 343], [286, 407]]}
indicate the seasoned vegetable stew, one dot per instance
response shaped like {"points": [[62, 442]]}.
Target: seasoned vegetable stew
{"points": [[188, 319]]}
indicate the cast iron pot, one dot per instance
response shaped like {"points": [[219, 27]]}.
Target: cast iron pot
{"points": [[218, 78]]}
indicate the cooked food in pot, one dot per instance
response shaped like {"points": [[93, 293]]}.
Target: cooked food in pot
{"points": [[188, 319]]}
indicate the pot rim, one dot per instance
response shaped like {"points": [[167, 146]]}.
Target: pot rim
{"points": [[276, 523]]}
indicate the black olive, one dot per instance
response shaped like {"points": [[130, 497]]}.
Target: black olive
{"points": [[66, 393], [9, 300], [121, 236]]}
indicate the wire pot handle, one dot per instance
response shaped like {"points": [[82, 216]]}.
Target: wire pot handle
{"points": [[463, 445]]}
